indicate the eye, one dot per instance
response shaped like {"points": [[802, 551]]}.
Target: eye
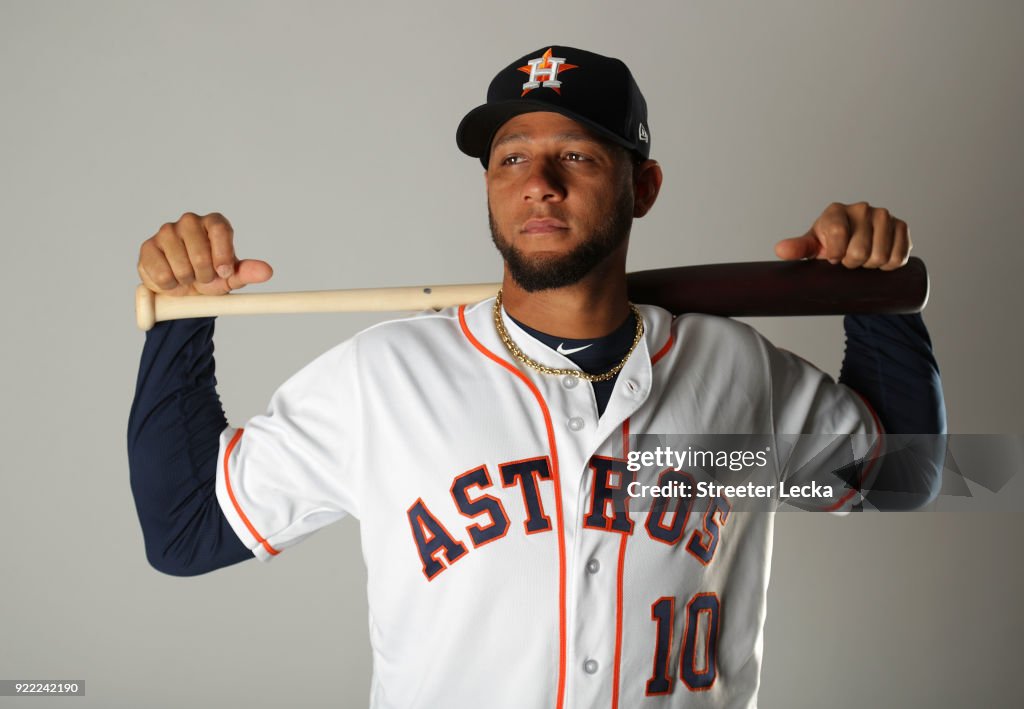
{"points": [[512, 159], [573, 156]]}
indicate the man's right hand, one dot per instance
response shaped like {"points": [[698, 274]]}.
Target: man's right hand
{"points": [[196, 256]]}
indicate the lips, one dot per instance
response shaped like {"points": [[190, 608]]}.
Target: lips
{"points": [[543, 226]]}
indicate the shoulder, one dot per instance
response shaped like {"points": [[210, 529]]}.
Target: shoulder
{"points": [[715, 326], [729, 339], [421, 336], [695, 349], [699, 332], [429, 324]]}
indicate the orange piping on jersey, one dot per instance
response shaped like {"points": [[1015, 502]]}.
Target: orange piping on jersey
{"points": [[618, 620], [873, 455], [558, 492], [622, 551], [664, 350], [618, 588], [234, 501]]}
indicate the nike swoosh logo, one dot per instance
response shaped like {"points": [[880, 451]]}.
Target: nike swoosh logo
{"points": [[561, 350]]}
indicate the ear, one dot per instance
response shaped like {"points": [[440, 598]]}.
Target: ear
{"points": [[647, 178]]}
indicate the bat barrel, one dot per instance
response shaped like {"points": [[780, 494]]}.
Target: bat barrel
{"points": [[783, 288]]}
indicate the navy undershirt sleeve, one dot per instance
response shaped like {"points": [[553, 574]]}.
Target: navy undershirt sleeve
{"points": [[173, 442], [889, 361]]}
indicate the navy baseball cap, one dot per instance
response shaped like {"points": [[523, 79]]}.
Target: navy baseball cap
{"points": [[594, 90]]}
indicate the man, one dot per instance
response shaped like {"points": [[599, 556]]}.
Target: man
{"points": [[484, 448]]}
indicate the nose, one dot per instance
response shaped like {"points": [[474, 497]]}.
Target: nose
{"points": [[543, 183]]}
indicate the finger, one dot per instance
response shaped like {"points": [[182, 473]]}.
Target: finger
{"points": [[222, 248], [834, 231], [197, 245], [249, 271], [171, 241], [881, 239], [858, 248], [901, 247], [151, 282], [165, 283], [154, 270], [177, 290], [168, 240], [799, 247]]}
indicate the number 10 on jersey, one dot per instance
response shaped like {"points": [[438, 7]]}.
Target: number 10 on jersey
{"points": [[698, 655]]}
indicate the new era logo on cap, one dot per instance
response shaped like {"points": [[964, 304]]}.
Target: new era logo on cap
{"points": [[598, 92]]}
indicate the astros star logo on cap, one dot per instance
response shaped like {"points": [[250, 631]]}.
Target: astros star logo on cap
{"points": [[545, 66]]}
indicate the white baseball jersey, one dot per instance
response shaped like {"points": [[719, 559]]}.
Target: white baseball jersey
{"points": [[505, 568]]}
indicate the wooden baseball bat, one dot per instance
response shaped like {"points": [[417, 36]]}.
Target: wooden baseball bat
{"points": [[752, 289]]}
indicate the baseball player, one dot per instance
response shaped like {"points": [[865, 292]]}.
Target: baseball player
{"points": [[485, 448]]}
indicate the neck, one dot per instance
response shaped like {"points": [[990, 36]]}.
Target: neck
{"points": [[591, 308]]}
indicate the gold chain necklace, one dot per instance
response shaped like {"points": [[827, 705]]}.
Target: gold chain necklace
{"points": [[513, 348]]}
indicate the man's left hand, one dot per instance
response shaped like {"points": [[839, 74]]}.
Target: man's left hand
{"points": [[856, 235]]}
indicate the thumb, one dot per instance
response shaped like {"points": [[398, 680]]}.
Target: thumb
{"points": [[800, 247], [249, 271]]}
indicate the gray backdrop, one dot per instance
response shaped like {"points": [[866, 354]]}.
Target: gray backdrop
{"points": [[325, 132]]}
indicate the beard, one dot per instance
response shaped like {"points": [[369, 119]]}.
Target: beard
{"points": [[537, 273]]}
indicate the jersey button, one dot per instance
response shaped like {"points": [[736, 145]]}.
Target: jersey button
{"points": [[590, 667], [569, 381], [593, 566], [575, 424]]}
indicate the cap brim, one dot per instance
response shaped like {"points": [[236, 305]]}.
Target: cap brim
{"points": [[477, 129]]}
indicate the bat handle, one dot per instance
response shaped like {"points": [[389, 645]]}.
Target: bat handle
{"points": [[145, 307]]}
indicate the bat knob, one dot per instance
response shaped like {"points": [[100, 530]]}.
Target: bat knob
{"points": [[145, 307]]}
